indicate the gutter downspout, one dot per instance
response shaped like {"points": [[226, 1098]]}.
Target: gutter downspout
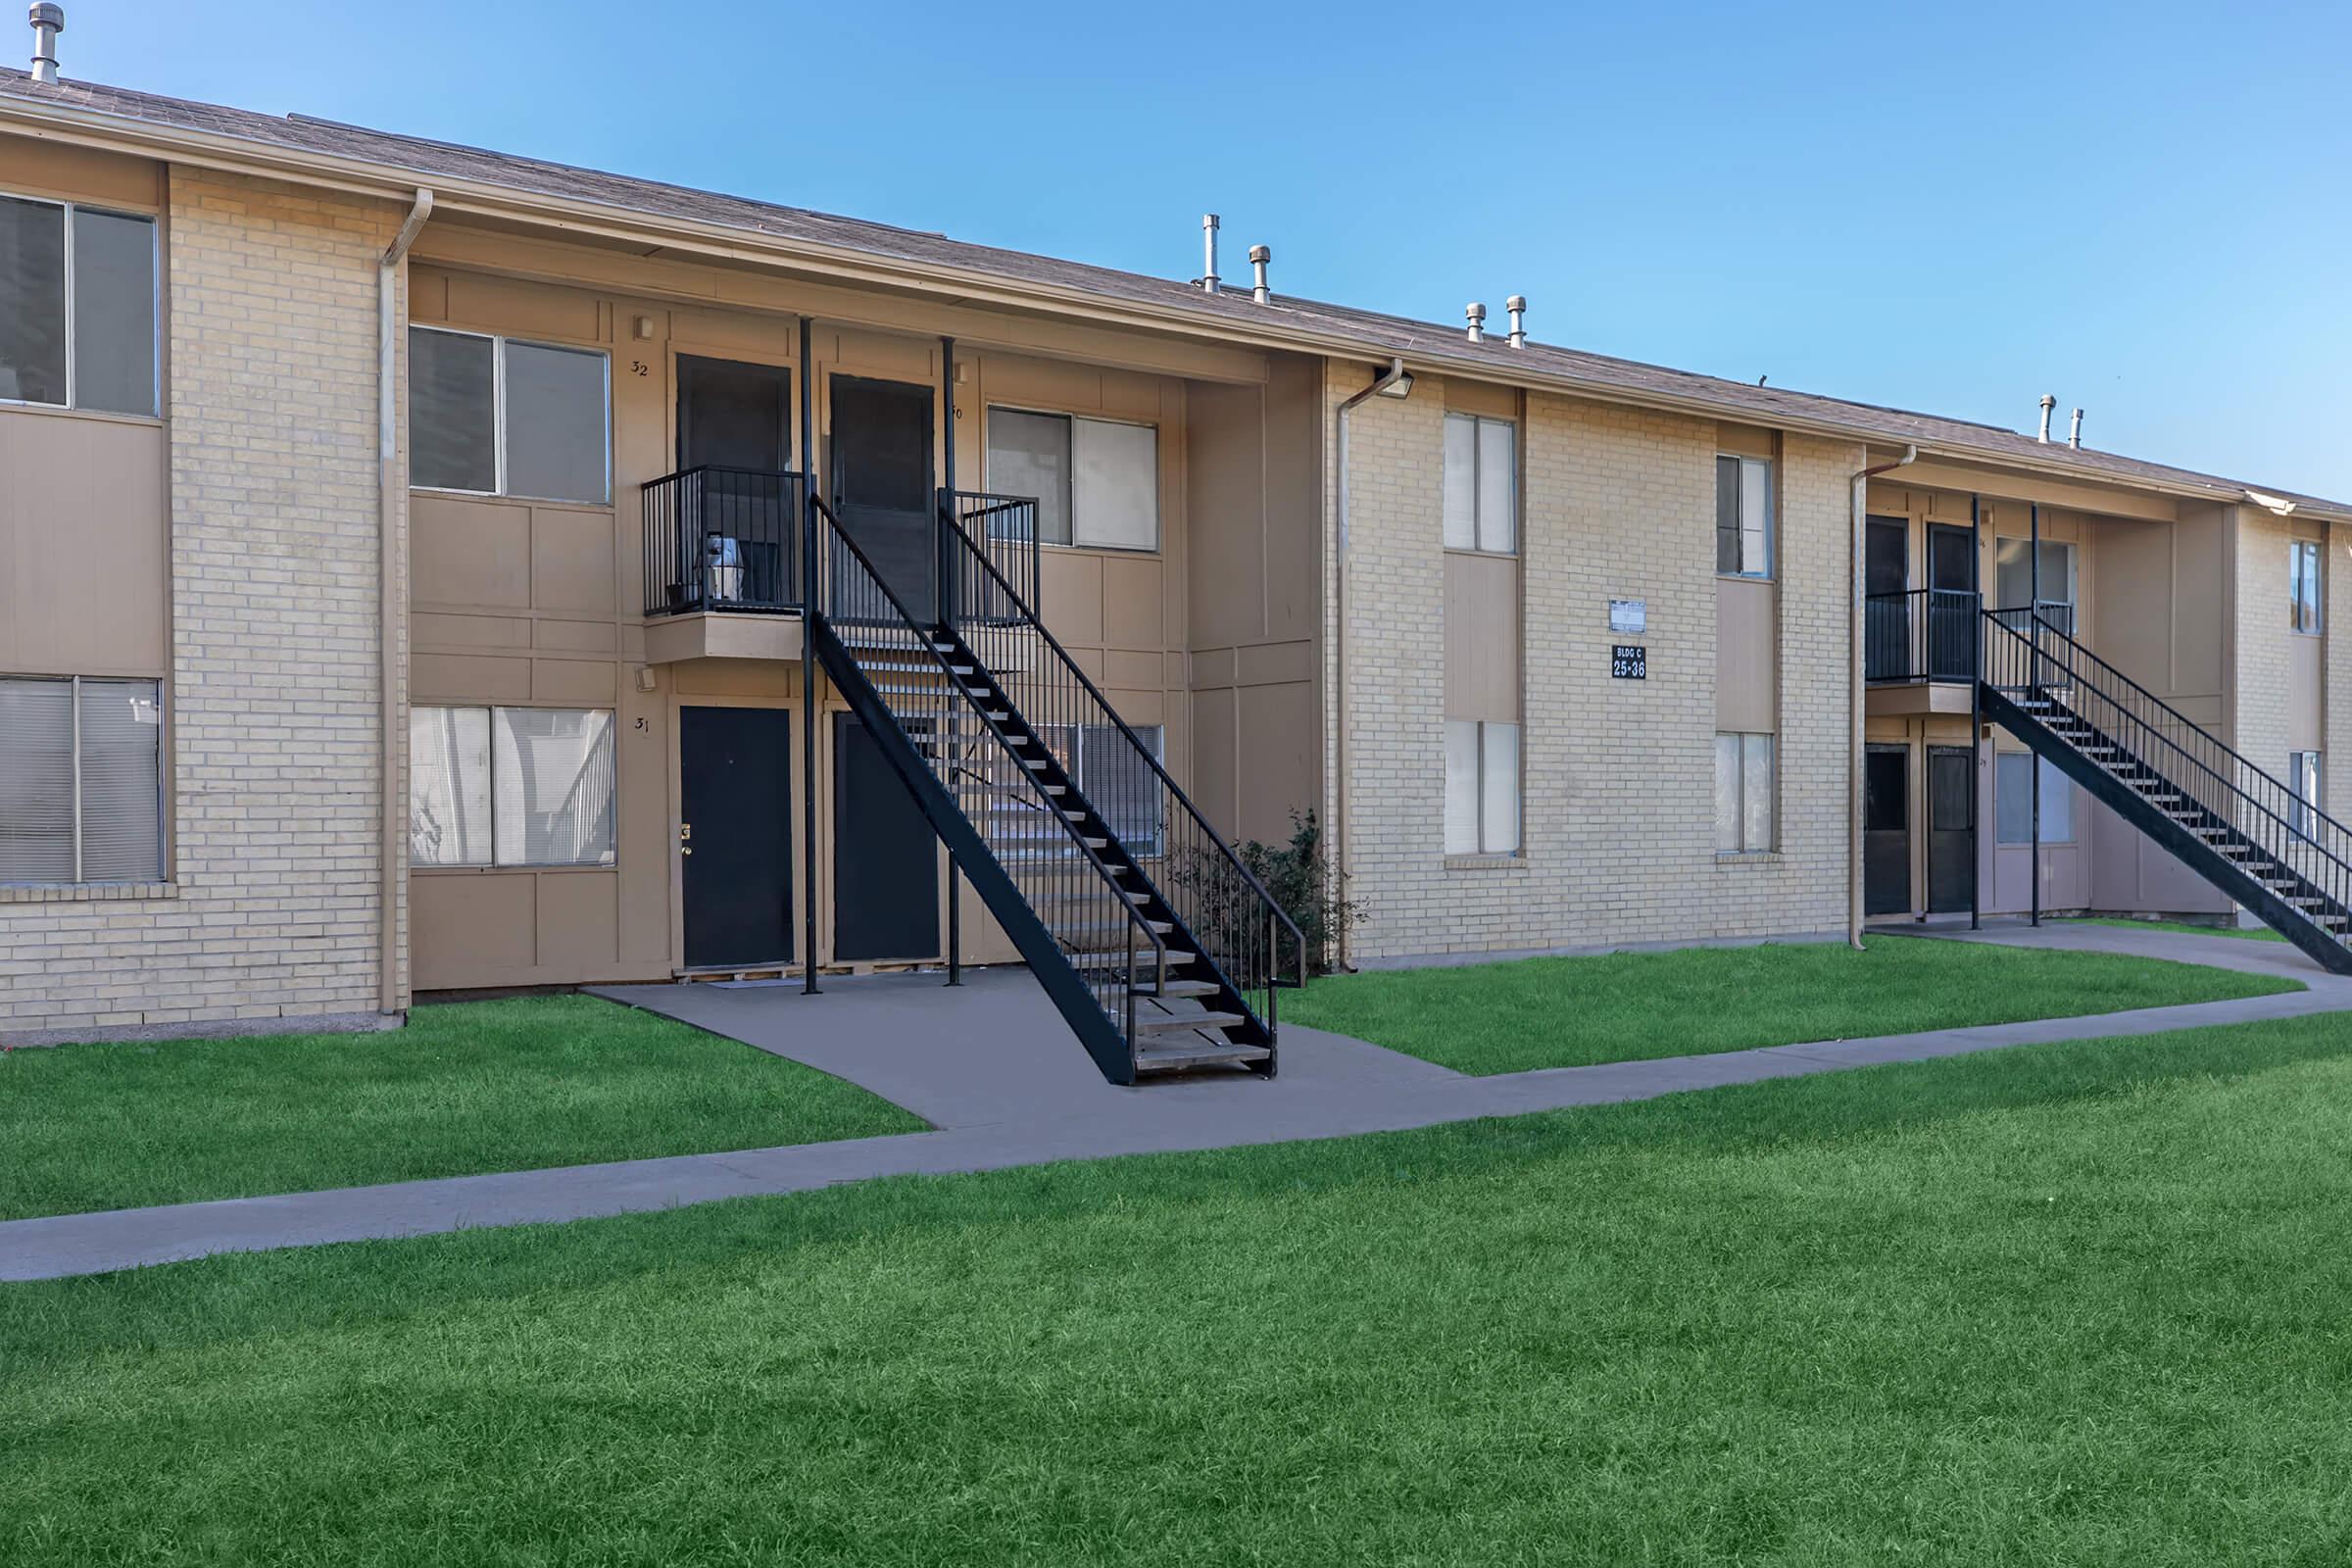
{"points": [[1342, 842], [388, 482], [1858, 693]]}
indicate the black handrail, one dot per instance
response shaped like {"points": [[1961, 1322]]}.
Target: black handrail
{"points": [[2044, 659], [1007, 527], [988, 622], [723, 538], [1921, 634], [859, 602]]}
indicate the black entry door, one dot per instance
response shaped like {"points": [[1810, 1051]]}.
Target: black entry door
{"points": [[1951, 616], [736, 790], [1887, 830], [1951, 818], [735, 424], [881, 482], [885, 860], [1887, 616]]}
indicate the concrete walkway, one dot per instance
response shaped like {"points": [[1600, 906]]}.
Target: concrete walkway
{"points": [[994, 1070]]}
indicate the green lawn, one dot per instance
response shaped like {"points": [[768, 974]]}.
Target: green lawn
{"points": [[1632, 1006], [478, 1086], [2078, 1303], [2252, 933]]}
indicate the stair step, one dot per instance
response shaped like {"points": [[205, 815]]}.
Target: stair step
{"points": [[1159, 1023], [1180, 988], [1171, 1056], [1087, 933], [1177, 959]]}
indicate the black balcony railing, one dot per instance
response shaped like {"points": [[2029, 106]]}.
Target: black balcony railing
{"points": [[1926, 634], [722, 539]]}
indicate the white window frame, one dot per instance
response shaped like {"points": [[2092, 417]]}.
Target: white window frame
{"points": [[1772, 828], [2298, 551], [1070, 418], [155, 284], [1478, 518], [163, 752], [1772, 519], [498, 417], [1479, 785], [490, 756]]}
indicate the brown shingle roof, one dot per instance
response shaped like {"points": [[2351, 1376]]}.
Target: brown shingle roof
{"points": [[1310, 323]]}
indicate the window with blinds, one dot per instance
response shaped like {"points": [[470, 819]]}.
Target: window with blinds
{"points": [[81, 780], [510, 786], [1114, 778]]}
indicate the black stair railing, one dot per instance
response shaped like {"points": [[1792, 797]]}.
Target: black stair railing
{"points": [[719, 538], [1922, 634], [2029, 659], [1074, 910], [1223, 908]]}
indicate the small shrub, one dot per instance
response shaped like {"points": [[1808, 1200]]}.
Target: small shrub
{"points": [[1302, 881]]}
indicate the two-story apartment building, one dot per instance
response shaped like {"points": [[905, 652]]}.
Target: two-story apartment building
{"points": [[424, 569]]}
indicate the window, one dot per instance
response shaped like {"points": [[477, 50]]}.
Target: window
{"points": [[1097, 481], [495, 415], [2303, 585], [1743, 794], [2013, 579], [2303, 782], [1482, 786], [510, 786], [1482, 484], [1743, 517], [80, 781], [1116, 781], [2013, 800], [77, 307]]}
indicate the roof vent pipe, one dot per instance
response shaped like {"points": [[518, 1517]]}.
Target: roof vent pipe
{"points": [[2048, 404], [2073, 437], [1259, 255], [1209, 253], [1517, 306], [48, 21], [1475, 314]]}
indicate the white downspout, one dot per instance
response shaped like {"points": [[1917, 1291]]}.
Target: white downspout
{"points": [[388, 483], [1858, 697], [1340, 843]]}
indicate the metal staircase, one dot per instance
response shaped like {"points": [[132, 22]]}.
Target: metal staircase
{"points": [[2236, 824], [1156, 944]]}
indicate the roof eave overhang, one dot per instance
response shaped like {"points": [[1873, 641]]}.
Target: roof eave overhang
{"points": [[359, 176]]}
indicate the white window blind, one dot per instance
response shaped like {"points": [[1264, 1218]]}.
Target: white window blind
{"points": [[1482, 786], [1481, 478], [1743, 794], [510, 786], [1029, 454], [80, 781], [1097, 481], [1743, 517]]}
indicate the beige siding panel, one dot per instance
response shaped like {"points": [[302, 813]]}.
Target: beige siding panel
{"points": [[38, 168], [578, 921], [522, 309], [572, 560], [472, 927], [1481, 637], [1745, 674], [469, 678], [1072, 590], [433, 630], [1133, 615], [1744, 440], [1280, 745], [578, 636], [572, 681], [1226, 489], [1480, 397], [470, 551], [83, 545], [1216, 757], [2305, 685], [1279, 664]]}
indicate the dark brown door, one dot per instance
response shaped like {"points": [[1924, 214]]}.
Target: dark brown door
{"points": [[735, 424], [880, 478], [1887, 614], [735, 792], [885, 855], [1951, 827], [1951, 608], [1887, 830]]}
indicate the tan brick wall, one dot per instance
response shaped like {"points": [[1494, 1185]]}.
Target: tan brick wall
{"points": [[275, 787], [2260, 728], [1619, 775]]}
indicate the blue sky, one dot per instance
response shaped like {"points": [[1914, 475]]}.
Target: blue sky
{"points": [[2145, 209]]}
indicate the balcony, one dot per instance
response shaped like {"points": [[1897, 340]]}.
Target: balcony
{"points": [[1924, 636]]}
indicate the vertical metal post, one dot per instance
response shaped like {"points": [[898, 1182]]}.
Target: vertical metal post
{"points": [[2034, 628], [809, 614], [940, 603], [1976, 723]]}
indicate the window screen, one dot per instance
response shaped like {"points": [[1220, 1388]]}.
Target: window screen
{"points": [[32, 301], [1029, 454], [555, 426], [2013, 578], [1743, 794], [1114, 484], [36, 781], [2303, 585], [453, 411], [101, 821], [448, 786], [1482, 786], [1481, 478], [2013, 800], [1743, 517], [113, 312], [551, 780]]}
